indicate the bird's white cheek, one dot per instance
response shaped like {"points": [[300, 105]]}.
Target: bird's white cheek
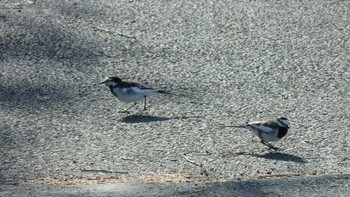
{"points": [[110, 83]]}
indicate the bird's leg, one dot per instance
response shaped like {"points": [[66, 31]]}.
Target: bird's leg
{"points": [[144, 106], [269, 145], [126, 110]]}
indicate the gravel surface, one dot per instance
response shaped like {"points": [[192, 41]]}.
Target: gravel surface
{"points": [[228, 62], [317, 186]]}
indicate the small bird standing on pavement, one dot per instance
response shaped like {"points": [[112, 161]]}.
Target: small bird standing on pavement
{"points": [[267, 131], [129, 91]]}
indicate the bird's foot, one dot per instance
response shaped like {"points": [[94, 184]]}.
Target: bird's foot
{"points": [[124, 112], [273, 148], [144, 112], [270, 146]]}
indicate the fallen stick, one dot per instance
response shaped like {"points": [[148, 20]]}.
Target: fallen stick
{"points": [[110, 31], [192, 162], [104, 171]]}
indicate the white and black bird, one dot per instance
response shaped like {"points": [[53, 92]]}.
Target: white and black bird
{"points": [[130, 91], [267, 131]]}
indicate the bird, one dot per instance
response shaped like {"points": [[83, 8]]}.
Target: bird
{"points": [[130, 91], [267, 131]]}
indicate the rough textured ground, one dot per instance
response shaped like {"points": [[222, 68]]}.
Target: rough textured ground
{"points": [[326, 185], [230, 62]]}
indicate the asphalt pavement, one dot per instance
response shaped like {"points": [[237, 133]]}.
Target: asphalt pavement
{"points": [[325, 185], [225, 62]]}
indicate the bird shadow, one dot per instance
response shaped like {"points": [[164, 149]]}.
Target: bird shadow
{"points": [[144, 118], [277, 156], [282, 157]]}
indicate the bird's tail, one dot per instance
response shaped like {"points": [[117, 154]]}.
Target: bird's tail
{"points": [[163, 92], [236, 126]]}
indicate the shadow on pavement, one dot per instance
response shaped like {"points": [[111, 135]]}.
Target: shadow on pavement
{"points": [[276, 156], [143, 118], [139, 118], [45, 40], [29, 97], [333, 185], [326, 185], [282, 157]]}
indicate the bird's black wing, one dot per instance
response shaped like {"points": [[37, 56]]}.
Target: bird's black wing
{"points": [[142, 87], [132, 84], [263, 126]]}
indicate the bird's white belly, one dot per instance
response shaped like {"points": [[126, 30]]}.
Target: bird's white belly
{"points": [[128, 95], [270, 136]]}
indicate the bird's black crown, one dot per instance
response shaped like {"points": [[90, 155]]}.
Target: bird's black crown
{"points": [[116, 79]]}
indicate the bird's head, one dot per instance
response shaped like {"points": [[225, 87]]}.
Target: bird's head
{"points": [[111, 81], [283, 122]]}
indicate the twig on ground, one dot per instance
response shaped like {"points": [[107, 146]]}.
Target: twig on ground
{"points": [[104, 171], [192, 162], [125, 158], [343, 159], [19, 6], [264, 176], [115, 32]]}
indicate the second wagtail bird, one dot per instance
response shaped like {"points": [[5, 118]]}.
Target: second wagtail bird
{"points": [[130, 91], [267, 131]]}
